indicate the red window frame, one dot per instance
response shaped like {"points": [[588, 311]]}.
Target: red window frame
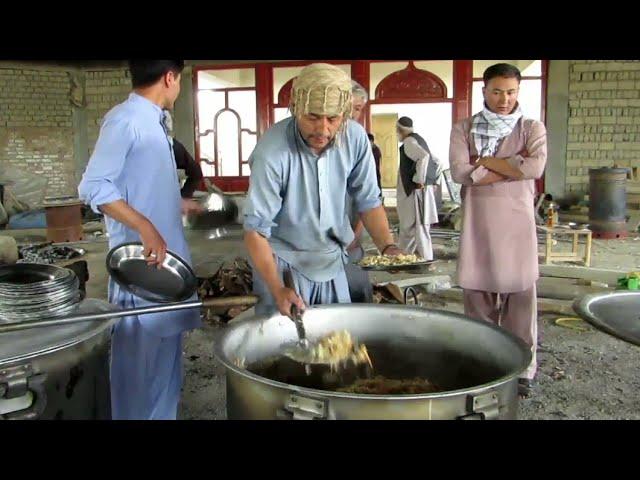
{"points": [[360, 71]]}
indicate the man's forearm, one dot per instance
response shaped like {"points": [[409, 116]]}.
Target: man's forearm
{"points": [[190, 186], [357, 228], [194, 177], [502, 167], [376, 223], [261, 254], [489, 178], [122, 212]]}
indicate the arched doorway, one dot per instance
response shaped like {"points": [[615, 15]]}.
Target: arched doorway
{"points": [[413, 91]]}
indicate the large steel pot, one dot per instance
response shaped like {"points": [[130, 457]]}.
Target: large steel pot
{"points": [[57, 372], [476, 362]]}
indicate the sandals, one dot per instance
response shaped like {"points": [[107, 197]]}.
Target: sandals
{"points": [[525, 386]]}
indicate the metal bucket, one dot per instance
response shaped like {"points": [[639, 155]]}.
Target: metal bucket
{"points": [[608, 202], [475, 362]]}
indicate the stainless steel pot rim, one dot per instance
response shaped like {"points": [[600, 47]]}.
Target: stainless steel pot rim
{"points": [[217, 350], [73, 334]]}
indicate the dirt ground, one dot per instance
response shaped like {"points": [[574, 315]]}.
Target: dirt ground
{"points": [[581, 375]]}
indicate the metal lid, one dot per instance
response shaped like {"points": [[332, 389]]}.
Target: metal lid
{"points": [[174, 282], [616, 313], [25, 344]]}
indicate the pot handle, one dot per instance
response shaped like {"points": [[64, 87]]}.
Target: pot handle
{"points": [[37, 387], [483, 407], [237, 301], [412, 291], [299, 407]]}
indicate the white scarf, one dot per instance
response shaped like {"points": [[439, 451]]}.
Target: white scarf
{"points": [[488, 128]]}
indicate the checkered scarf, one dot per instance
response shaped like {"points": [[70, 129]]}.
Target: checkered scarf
{"points": [[488, 128]]}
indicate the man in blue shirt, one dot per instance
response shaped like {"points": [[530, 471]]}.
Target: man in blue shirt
{"points": [[132, 179], [295, 217]]}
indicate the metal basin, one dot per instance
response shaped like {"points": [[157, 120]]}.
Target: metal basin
{"points": [[616, 313], [476, 363]]}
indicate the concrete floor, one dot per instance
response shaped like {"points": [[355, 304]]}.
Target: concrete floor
{"points": [[582, 375]]}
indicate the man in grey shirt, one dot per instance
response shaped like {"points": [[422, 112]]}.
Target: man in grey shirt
{"points": [[295, 216]]}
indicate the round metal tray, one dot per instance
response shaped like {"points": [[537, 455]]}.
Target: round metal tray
{"points": [[174, 282]]}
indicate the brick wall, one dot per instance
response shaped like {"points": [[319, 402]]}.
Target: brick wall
{"points": [[36, 125], [36, 119], [104, 90], [604, 118]]}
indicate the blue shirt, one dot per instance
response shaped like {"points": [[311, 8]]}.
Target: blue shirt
{"points": [[133, 161], [298, 200]]}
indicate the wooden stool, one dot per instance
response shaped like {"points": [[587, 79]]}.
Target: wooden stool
{"points": [[550, 256]]}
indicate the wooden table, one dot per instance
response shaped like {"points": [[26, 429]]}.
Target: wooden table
{"points": [[550, 256]]}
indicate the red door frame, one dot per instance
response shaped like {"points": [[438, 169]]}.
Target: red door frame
{"points": [[360, 72]]}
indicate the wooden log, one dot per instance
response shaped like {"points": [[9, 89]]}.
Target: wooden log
{"points": [[610, 277], [545, 305]]}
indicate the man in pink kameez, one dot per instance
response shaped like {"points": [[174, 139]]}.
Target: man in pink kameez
{"points": [[496, 155]]}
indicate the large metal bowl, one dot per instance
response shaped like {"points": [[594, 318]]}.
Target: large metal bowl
{"points": [[476, 363], [219, 211], [615, 313]]}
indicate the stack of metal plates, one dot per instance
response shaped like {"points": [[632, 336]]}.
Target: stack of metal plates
{"points": [[31, 291]]}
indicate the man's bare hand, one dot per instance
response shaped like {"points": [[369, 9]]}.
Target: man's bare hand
{"points": [[419, 186], [394, 251], [285, 297], [155, 248], [484, 162], [191, 207]]}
